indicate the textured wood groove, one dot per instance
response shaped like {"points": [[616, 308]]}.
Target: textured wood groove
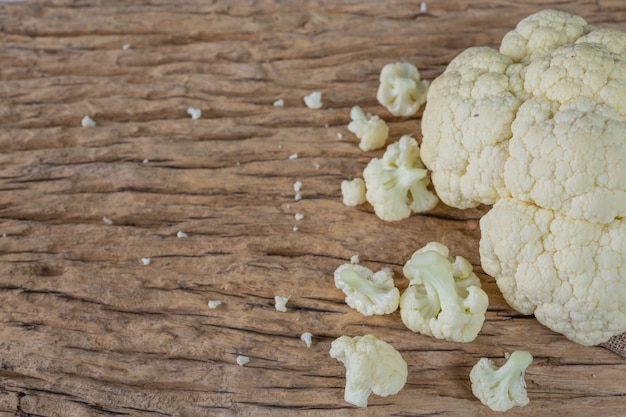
{"points": [[87, 330]]}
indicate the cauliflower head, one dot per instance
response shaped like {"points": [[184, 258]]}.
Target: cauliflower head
{"points": [[396, 183], [539, 120], [568, 272], [367, 292], [444, 298], [372, 365], [501, 388]]}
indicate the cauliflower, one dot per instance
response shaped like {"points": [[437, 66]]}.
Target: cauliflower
{"points": [[370, 129], [367, 292], [401, 91], [444, 298], [372, 365], [353, 192], [539, 120], [396, 184], [569, 273], [537, 128], [501, 388]]}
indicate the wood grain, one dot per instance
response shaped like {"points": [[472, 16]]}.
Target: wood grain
{"points": [[87, 330]]}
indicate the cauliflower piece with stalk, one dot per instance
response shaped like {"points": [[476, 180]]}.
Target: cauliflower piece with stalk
{"points": [[444, 298], [370, 129], [396, 184], [367, 292], [501, 388], [569, 273], [372, 365], [401, 89]]}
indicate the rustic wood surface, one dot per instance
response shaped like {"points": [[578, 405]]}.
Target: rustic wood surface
{"points": [[88, 330]]}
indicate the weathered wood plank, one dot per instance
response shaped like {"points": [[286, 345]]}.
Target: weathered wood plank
{"points": [[88, 330]]}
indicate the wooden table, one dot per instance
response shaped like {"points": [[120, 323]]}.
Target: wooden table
{"points": [[88, 330]]}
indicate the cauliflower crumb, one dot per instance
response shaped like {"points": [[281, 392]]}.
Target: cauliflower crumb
{"points": [[297, 197], [353, 192], [423, 8], [126, 47], [313, 100], [297, 186], [279, 103], [280, 303], [316, 165], [339, 135], [307, 338], [145, 161], [213, 304], [293, 156], [181, 234], [354, 259], [242, 360], [194, 113], [299, 216], [87, 122], [145, 261], [296, 228], [107, 220]]}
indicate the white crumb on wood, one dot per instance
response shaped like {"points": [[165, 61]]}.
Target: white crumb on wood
{"points": [[279, 103], [181, 234], [280, 303], [307, 338], [107, 220], [194, 113], [87, 122], [242, 360], [213, 304], [313, 100], [145, 261], [299, 216]]}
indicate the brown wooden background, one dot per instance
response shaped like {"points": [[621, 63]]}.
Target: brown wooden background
{"points": [[87, 330]]}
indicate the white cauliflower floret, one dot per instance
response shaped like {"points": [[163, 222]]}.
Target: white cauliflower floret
{"points": [[396, 184], [569, 273], [541, 33], [353, 192], [466, 126], [401, 90], [501, 388], [370, 129], [444, 298], [372, 365], [367, 292], [590, 169]]}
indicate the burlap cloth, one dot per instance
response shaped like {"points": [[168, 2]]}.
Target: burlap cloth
{"points": [[616, 344]]}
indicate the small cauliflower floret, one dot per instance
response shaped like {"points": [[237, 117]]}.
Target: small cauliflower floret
{"points": [[501, 388], [444, 298], [372, 365], [367, 292], [370, 129], [396, 184], [353, 192], [401, 90]]}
